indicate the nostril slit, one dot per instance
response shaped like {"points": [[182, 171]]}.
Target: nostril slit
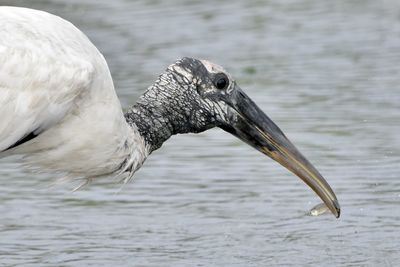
{"points": [[270, 148]]}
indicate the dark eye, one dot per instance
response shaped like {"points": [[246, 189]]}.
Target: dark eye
{"points": [[221, 81]]}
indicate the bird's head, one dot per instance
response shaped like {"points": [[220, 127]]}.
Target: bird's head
{"points": [[195, 95]]}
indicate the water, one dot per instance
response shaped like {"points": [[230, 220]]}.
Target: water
{"points": [[328, 73]]}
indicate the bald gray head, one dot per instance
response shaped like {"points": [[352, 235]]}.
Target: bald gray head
{"points": [[189, 97]]}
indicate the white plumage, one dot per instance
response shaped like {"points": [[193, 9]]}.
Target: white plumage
{"points": [[55, 82]]}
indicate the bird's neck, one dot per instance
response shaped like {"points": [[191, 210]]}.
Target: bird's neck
{"points": [[158, 115]]}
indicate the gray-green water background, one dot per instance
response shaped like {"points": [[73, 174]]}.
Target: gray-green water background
{"points": [[327, 72]]}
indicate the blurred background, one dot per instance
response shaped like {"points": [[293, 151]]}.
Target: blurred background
{"points": [[327, 72]]}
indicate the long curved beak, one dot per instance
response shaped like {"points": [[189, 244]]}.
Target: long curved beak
{"points": [[249, 123]]}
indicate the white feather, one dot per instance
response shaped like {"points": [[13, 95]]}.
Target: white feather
{"points": [[55, 83]]}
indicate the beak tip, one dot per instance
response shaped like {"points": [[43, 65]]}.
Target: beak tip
{"points": [[337, 208]]}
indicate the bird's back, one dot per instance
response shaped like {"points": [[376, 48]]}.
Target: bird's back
{"points": [[58, 105]]}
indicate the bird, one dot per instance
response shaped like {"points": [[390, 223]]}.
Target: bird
{"points": [[60, 111]]}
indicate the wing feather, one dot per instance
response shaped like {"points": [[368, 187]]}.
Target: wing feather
{"points": [[41, 73], [57, 96]]}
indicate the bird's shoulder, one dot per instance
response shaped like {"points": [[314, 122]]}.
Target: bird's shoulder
{"points": [[43, 52]]}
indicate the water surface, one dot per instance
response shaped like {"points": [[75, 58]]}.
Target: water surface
{"points": [[328, 73]]}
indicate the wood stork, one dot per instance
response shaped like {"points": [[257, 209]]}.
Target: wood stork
{"points": [[59, 109]]}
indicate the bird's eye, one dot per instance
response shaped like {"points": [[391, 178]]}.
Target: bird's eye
{"points": [[221, 81]]}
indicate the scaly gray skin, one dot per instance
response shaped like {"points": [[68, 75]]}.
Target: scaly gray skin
{"points": [[189, 97], [174, 104]]}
